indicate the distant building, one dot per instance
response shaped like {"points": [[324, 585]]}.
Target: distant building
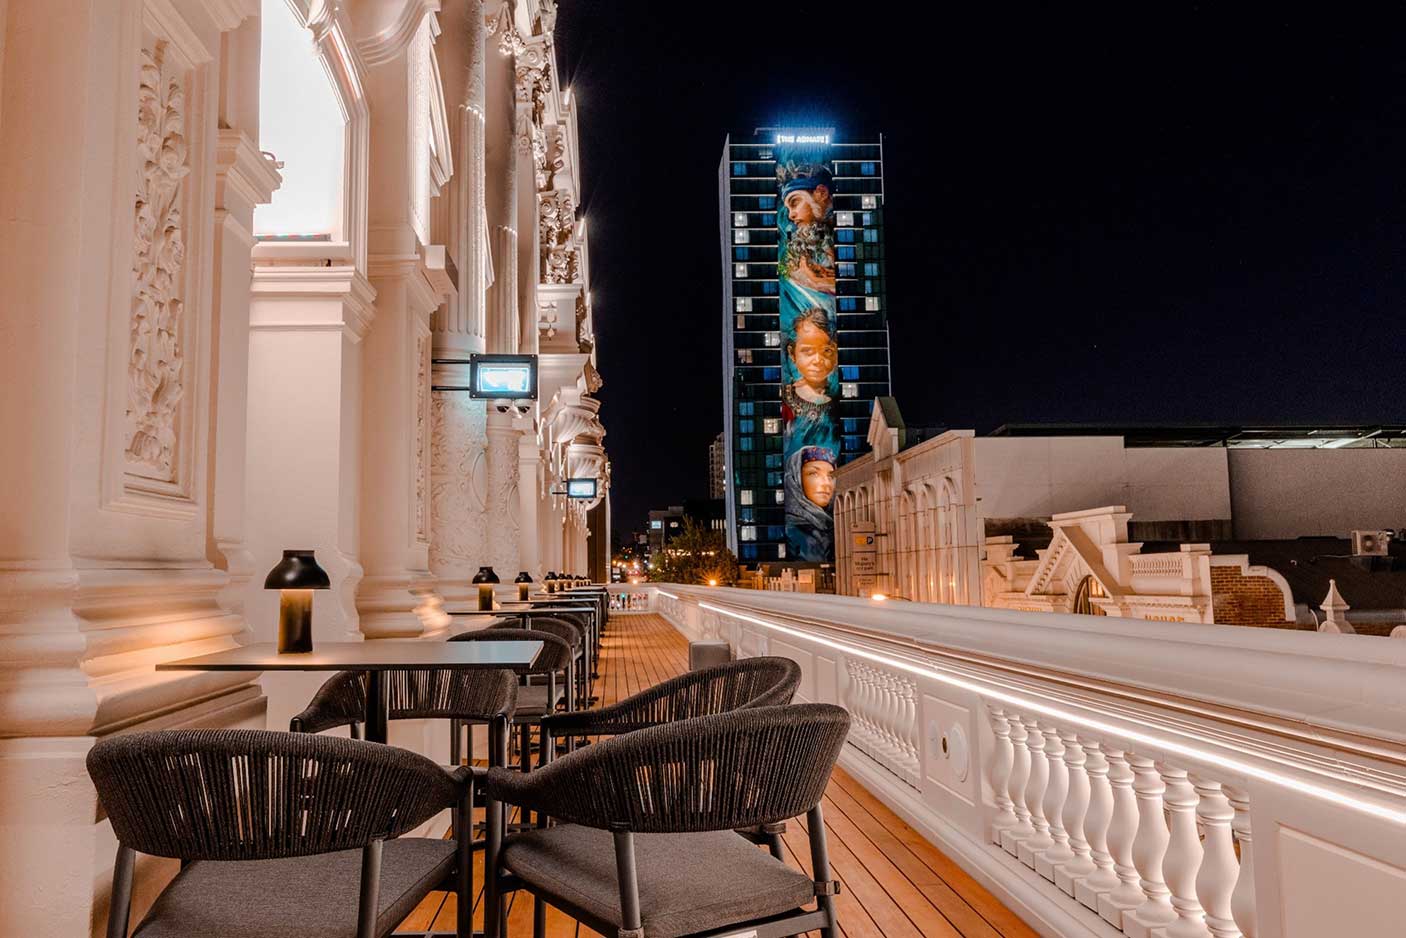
{"points": [[1089, 566], [956, 518], [717, 468], [782, 263], [665, 524]]}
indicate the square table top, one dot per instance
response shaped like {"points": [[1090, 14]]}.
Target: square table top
{"points": [[365, 656]]}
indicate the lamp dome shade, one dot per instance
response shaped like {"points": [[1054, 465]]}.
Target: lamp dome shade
{"points": [[551, 575], [485, 575], [298, 570], [523, 577]]}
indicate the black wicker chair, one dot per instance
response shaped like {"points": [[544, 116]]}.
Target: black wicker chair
{"points": [[279, 830], [644, 847], [462, 697], [534, 702], [736, 685], [576, 633]]}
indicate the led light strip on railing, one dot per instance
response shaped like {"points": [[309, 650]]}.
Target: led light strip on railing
{"points": [[1025, 703], [663, 593]]}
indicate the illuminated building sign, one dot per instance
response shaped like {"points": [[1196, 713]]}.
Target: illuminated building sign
{"points": [[580, 488], [815, 139], [503, 377]]}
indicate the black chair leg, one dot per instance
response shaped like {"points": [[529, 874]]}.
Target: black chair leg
{"points": [[539, 917], [628, 878], [498, 732], [370, 900], [119, 911], [464, 874], [820, 867]]}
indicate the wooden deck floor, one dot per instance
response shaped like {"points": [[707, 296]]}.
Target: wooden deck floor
{"points": [[894, 883]]}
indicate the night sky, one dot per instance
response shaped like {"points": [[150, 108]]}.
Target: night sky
{"points": [[1190, 218]]}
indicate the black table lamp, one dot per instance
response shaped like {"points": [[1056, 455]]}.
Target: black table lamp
{"points": [[485, 578], [295, 577], [551, 581], [524, 583]]}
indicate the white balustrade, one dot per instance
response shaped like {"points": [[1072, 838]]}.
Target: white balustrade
{"points": [[1136, 807]]}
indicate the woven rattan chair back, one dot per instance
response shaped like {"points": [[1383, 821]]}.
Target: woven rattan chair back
{"points": [[260, 795], [411, 694]]}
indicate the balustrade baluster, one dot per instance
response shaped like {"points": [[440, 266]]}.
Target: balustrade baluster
{"points": [[999, 769], [1056, 793], [1076, 807], [1184, 855], [1242, 900], [1035, 795], [1149, 848], [1215, 882], [1102, 879], [1020, 774], [1122, 833]]}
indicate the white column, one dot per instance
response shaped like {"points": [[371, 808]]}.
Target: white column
{"points": [[529, 502], [503, 498], [459, 438]]}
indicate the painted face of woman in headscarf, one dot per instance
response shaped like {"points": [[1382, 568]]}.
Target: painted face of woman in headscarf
{"points": [[818, 481]]}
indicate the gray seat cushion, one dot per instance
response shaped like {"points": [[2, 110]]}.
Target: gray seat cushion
{"points": [[532, 702], [298, 897], [688, 882]]}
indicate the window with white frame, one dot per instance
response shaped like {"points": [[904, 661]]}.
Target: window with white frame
{"points": [[742, 236]]}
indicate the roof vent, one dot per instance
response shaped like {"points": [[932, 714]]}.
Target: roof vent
{"points": [[1370, 543]]}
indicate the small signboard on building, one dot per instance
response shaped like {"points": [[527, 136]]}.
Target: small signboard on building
{"points": [[864, 552]]}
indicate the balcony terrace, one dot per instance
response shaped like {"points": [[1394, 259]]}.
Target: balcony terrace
{"points": [[894, 883]]}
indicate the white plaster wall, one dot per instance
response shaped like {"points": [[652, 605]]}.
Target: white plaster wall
{"points": [[1035, 477], [1279, 493]]}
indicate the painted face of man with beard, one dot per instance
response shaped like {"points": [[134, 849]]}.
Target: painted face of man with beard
{"points": [[808, 206]]}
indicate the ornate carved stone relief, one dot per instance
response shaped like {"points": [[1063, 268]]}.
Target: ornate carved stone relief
{"points": [[457, 520], [156, 358], [585, 342], [422, 439], [502, 26], [556, 219]]}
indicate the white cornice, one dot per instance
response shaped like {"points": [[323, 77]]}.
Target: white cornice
{"points": [[228, 14], [245, 169], [392, 41], [346, 284]]}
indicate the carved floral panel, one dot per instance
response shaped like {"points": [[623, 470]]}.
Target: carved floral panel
{"points": [[156, 360]]}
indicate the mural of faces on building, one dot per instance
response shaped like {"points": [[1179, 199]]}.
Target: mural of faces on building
{"points": [[810, 381]]}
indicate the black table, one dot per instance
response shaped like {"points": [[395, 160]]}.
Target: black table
{"points": [[375, 658]]}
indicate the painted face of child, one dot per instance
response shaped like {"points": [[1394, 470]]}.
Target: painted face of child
{"points": [[814, 355], [818, 480]]}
